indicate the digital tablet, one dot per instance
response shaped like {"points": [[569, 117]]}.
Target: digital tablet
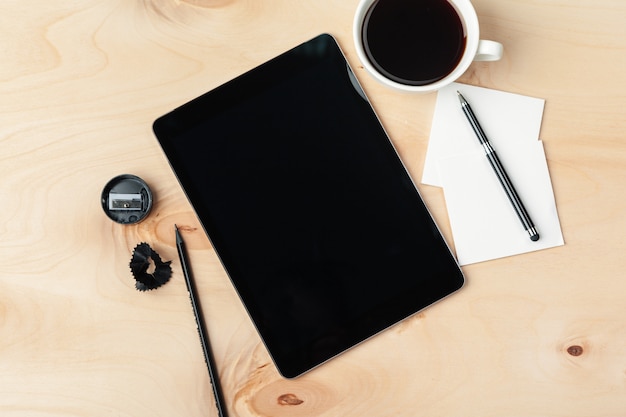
{"points": [[308, 205]]}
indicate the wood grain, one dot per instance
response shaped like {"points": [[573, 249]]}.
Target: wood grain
{"points": [[542, 334]]}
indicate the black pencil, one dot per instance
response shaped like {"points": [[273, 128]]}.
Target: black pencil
{"points": [[204, 339]]}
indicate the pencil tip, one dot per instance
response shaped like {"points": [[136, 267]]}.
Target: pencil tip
{"points": [[179, 238]]}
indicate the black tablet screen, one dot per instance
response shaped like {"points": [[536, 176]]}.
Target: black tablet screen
{"points": [[308, 206]]}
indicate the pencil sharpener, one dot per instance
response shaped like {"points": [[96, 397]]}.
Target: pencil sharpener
{"points": [[126, 199]]}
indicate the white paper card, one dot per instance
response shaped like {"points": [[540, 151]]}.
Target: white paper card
{"points": [[484, 224]]}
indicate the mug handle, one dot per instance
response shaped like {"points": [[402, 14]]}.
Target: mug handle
{"points": [[488, 51]]}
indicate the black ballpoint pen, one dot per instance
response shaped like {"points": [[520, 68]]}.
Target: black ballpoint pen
{"points": [[490, 153], [204, 339]]}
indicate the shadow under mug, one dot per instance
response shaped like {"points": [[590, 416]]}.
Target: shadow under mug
{"points": [[431, 25]]}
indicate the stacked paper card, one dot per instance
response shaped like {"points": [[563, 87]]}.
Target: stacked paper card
{"points": [[483, 221]]}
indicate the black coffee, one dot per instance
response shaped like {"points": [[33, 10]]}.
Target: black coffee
{"points": [[413, 42]]}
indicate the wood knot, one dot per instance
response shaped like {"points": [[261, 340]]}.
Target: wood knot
{"points": [[289, 399], [187, 229], [575, 350]]}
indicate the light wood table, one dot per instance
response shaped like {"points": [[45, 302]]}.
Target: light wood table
{"points": [[541, 334]]}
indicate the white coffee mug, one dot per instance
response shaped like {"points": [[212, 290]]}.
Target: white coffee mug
{"points": [[475, 49]]}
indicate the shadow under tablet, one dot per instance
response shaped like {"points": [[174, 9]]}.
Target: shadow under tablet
{"points": [[308, 206]]}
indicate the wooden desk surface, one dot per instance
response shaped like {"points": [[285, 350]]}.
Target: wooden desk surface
{"points": [[541, 334]]}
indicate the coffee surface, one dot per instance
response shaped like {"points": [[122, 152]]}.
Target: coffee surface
{"points": [[413, 42]]}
